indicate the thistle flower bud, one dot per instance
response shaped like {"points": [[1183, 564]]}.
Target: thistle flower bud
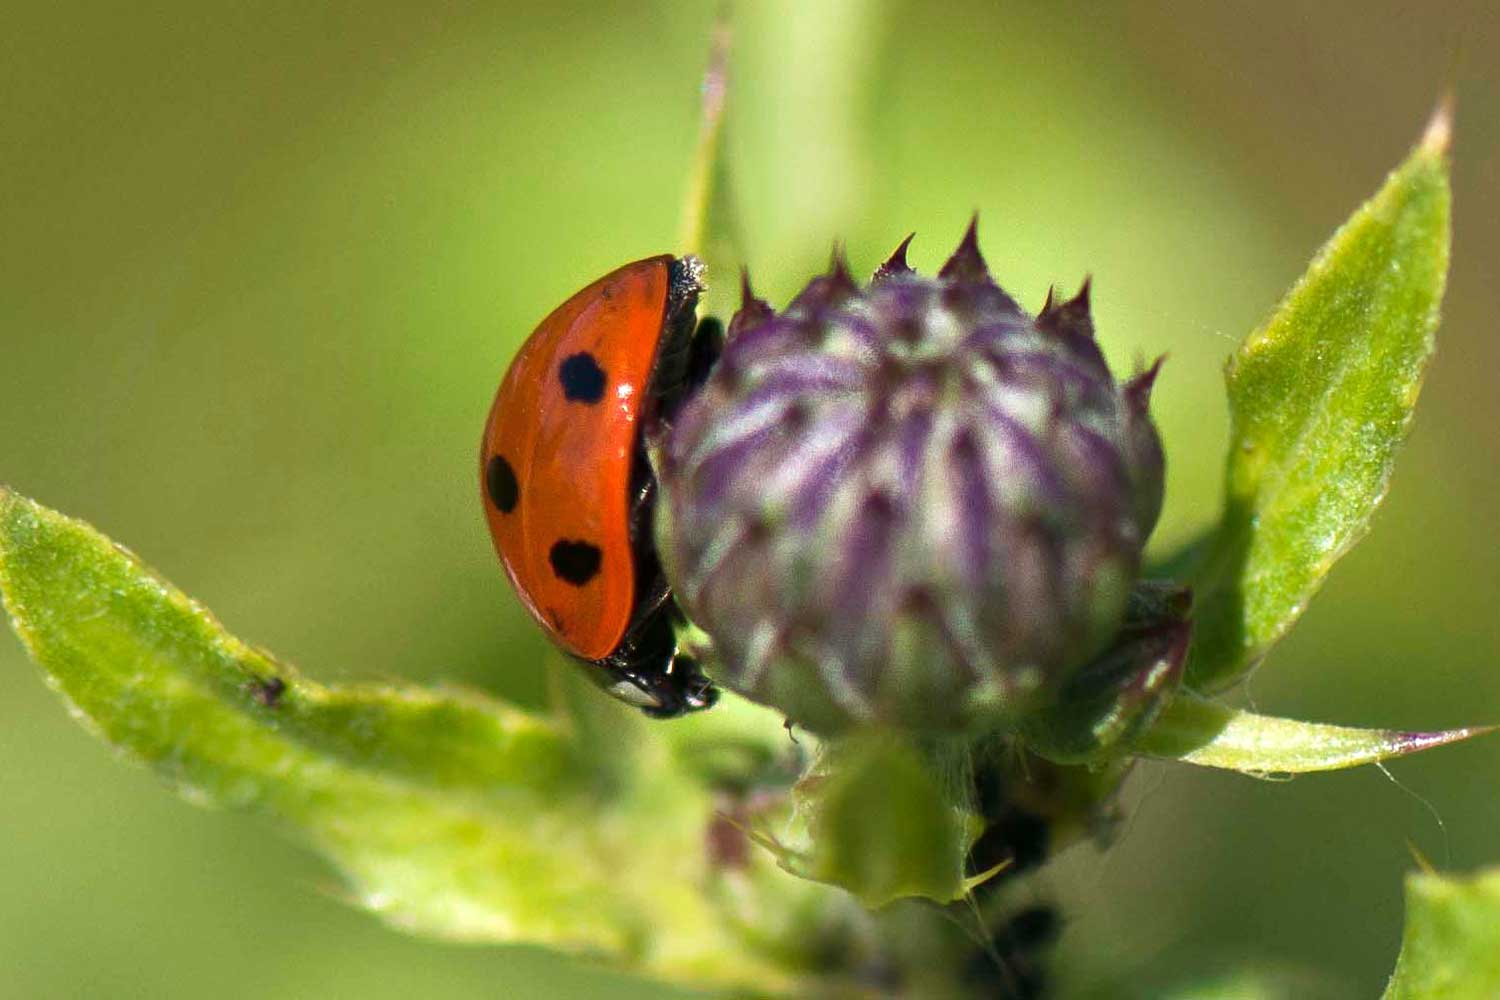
{"points": [[911, 502]]}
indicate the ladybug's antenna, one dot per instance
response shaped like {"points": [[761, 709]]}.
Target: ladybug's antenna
{"points": [[705, 215]]}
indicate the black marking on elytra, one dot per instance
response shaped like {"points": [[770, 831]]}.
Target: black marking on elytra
{"points": [[500, 482], [575, 562], [267, 690], [581, 377]]}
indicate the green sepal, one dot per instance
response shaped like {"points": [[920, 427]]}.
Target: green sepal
{"points": [[880, 820]]}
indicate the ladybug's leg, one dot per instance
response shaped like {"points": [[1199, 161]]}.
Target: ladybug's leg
{"points": [[688, 689], [649, 671], [654, 592]]}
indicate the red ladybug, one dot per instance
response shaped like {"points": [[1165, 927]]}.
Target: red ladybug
{"points": [[568, 491]]}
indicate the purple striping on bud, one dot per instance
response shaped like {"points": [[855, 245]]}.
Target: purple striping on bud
{"points": [[912, 503]]}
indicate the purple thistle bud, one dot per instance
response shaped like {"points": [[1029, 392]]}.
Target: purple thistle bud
{"points": [[912, 503]]}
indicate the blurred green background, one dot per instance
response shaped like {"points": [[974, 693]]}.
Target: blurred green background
{"points": [[263, 265]]}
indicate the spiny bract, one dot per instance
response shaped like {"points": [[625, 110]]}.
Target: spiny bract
{"points": [[912, 502]]}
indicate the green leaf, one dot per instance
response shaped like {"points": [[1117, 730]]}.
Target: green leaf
{"points": [[710, 223], [1256, 979], [880, 822], [1320, 399], [1450, 949], [1201, 732], [449, 813]]}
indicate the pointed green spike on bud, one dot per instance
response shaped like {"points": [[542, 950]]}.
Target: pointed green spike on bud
{"points": [[909, 503]]}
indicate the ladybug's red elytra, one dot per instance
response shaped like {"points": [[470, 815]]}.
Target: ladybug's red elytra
{"points": [[568, 491]]}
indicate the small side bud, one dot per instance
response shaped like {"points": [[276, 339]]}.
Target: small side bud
{"points": [[1117, 696]]}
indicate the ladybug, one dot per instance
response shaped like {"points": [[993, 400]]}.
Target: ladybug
{"points": [[568, 491]]}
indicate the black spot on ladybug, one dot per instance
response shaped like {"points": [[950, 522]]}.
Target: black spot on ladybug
{"points": [[575, 562], [500, 481], [581, 377], [267, 690]]}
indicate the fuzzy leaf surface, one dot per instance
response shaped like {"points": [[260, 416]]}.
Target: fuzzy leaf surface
{"points": [[1202, 732], [450, 814], [1320, 399], [1450, 948], [710, 222]]}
